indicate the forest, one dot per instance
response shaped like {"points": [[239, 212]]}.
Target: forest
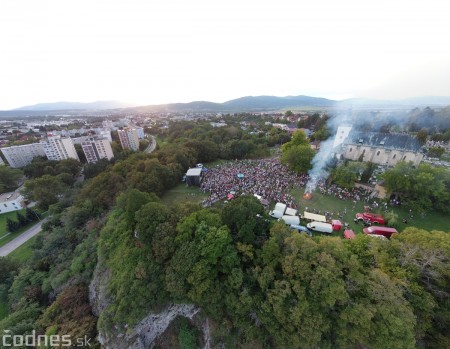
{"points": [[261, 284]]}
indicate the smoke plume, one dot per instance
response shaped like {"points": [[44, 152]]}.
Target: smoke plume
{"points": [[325, 153], [320, 160], [384, 120]]}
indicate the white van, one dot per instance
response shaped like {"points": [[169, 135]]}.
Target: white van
{"points": [[321, 227], [280, 207], [276, 214], [289, 220]]}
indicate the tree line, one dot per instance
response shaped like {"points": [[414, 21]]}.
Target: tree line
{"points": [[270, 286], [22, 220]]}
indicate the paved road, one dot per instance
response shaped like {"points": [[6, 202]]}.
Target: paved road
{"points": [[151, 146], [21, 239]]}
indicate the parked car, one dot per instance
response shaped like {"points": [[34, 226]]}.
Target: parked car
{"points": [[301, 228], [289, 220], [370, 217]]}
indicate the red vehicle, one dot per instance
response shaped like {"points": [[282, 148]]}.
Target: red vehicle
{"points": [[336, 224], [349, 234], [371, 217], [385, 231]]}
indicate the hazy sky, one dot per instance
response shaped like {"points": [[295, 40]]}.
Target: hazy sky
{"points": [[159, 51]]}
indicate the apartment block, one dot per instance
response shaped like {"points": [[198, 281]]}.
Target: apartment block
{"points": [[21, 155], [129, 138], [96, 148], [58, 148], [140, 132]]}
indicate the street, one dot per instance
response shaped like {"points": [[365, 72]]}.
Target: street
{"points": [[21, 239]]}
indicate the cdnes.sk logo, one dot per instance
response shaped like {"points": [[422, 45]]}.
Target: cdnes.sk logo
{"points": [[17, 340]]}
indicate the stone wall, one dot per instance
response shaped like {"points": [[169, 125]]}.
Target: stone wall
{"points": [[381, 156]]}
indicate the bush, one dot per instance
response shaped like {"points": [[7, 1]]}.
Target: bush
{"points": [[187, 337]]}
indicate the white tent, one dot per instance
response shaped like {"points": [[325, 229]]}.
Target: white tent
{"points": [[314, 217]]}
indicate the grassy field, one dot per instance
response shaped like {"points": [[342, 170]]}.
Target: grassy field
{"points": [[428, 221], [4, 216], [183, 193], [23, 252], [160, 142]]}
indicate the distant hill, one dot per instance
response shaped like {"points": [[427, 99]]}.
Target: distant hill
{"points": [[98, 105], [243, 104], [271, 102]]}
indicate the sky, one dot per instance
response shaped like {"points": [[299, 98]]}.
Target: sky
{"points": [[161, 51]]}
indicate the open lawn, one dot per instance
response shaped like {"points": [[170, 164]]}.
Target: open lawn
{"points": [[428, 221], [23, 252], [183, 193], [161, 144], [4, 216]]}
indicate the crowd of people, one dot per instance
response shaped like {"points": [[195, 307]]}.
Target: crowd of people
{"points": [[354, 194], [267, 178]]}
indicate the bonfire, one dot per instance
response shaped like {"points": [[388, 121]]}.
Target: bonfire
{"points": [[307, 196]]}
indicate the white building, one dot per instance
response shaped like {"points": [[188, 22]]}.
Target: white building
{"points": [[104, 134], [21, 155], [140, 132], [96, 148], [57, 148], [380, 148], [341, 135], [11, 202], [79, 140], [129, 138]]}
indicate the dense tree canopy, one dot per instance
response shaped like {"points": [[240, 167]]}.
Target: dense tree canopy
{"points": [[347, 174], [8, 178], [298, 158], [425, 187], [45, 190], [297, 153]]}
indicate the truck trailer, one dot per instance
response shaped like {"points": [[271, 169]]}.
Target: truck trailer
{"points": [[320, 227]]}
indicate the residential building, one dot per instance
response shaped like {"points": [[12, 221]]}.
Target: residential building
{"points": [[21, 155], [129, 138], [96, 148], [58, 148], [11, 202], [104, 134], [79, 140], [140, 132]]}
